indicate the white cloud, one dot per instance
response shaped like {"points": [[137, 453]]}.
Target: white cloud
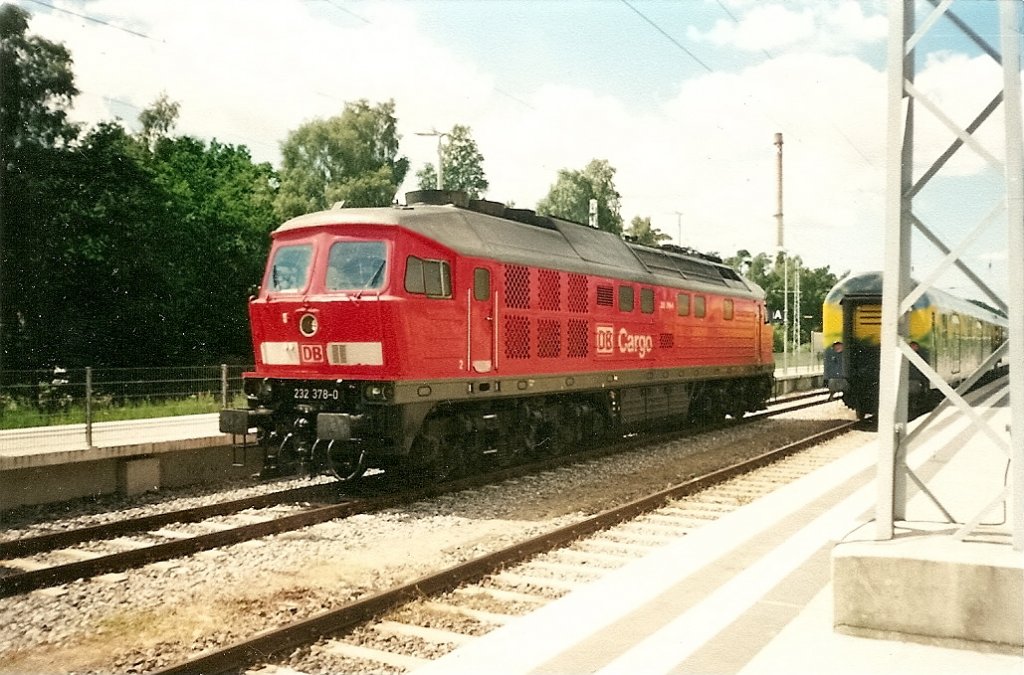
{"points": [[248, 72], [830, 27]]}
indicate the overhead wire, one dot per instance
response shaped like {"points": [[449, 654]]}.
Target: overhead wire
{"points": [[94, 20], [693, 56]]}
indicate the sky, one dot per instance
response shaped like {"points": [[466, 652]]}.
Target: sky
{"points": [[682, 97]]}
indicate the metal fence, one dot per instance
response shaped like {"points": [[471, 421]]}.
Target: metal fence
{"points": [[87, 396], [798, 363]]}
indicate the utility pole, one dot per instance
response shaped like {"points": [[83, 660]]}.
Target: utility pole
{"points": [[440, 153], [781, 243]]}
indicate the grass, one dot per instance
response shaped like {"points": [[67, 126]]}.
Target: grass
{"points": [[18, 415]]}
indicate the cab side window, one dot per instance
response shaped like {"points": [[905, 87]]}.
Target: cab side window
{"points": [[626, 298], [682, 304], [432, 278], [481, 283], [647, 300]]}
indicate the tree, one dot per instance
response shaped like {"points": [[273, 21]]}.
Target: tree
{"points": [[462, 164], [641, 231], [221, 204], [352, 157], [158, 120], [570, 196], [36, 87], [769, 273]]}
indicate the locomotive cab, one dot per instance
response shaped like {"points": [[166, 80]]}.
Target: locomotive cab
{"points": [[320, 344], [952, 336]]}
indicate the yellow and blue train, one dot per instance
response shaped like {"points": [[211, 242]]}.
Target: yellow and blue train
{"points": [[954, 336]]}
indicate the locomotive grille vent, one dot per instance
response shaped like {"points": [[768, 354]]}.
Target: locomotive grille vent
{"points": [[517, 286], [605, 296], [577, 293], [867, 322], [355, 354], [576, 339], [550, 290], [869, 315], [666, 340], [517, 337], [549, 339]]}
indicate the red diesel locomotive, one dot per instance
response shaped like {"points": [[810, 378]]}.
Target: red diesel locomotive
{"points": [[431, 337]]}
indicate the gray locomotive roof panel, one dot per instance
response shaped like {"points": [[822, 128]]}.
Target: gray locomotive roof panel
{"points": [[565, 245]]}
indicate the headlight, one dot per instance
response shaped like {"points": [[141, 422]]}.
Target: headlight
{"points": [[266, 389], [376, 392], [308, 325]]}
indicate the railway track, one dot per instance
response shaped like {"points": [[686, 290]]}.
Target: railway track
{"points": [[57, 558], [400, 628]]}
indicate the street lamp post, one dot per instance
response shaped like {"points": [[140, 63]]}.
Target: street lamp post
{"points": [[440, 154]]}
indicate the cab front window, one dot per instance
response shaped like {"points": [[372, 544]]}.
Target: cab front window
{"points": [[289, 269], [356, 265]]}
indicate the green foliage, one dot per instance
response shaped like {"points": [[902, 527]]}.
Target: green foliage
{"points": [[351, 157], [158, 120], [769, 274], [36, 87], [119, 249], [462, 164], [18, 415], [641, 231], [426, 177], [569, 197]]}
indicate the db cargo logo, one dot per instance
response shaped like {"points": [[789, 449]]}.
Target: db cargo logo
{"points": [[311, 353], [627, 343], [605, 339]]}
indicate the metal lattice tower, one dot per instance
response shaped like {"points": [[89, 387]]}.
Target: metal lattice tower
{"points": [[906, 100]]}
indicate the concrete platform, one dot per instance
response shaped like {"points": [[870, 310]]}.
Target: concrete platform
{"points": [[753, 593], [926, 584], [50, 464], [54, 464]]}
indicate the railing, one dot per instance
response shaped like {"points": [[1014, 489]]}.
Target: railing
{"points": [[799, 363], [70, 402], [75, 399]]}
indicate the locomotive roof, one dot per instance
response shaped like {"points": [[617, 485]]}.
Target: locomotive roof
{"points": [[869, 284], [490, 230]]}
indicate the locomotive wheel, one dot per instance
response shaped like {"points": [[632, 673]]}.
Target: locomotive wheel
{"points": [[347, 465], [567, 432], [434, 461]]}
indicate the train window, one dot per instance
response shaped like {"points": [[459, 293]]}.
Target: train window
{"points": [[682, 304], [647, 300], [625, 298], [290, 268], [414, 275], [481, 283], [428, 277], [699, 306], [727, 310], [356, 265]]}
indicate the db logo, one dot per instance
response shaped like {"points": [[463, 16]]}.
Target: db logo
{"points": [[311, 353], [605, 339]]}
